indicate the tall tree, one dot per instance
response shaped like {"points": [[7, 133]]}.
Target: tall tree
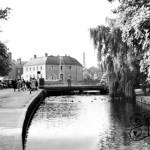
{"points": [[4, 58], [5, 65], [133, 18], [4, 13], [116, 57], [127, 46]]}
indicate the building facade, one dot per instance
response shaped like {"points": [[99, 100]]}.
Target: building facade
{"points": [[16, 68], [19, 68], [35, 68], [53, 68]]}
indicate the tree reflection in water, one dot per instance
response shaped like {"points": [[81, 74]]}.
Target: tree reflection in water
{"points": [[74, 122]]}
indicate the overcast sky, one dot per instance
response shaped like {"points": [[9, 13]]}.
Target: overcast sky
{"points": [[56, 27]]}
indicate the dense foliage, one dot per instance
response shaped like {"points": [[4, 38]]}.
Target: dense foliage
{"points": [[4, 58], [134, 21], [123, 46], [114, 55], [4, 13]]}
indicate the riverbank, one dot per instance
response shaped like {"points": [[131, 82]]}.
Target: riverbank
{"points": [[13, 114], [140, 97], [13, 109]]}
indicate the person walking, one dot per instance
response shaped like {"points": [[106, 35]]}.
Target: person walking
{"points": [[14, 84], [28, 85], [33, 87], [36, 84], [23, 85], [69, 82], [18, 85]]}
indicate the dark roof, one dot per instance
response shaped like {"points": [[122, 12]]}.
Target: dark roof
{"points": [[64, 60], [53, 60], [18, 64]]}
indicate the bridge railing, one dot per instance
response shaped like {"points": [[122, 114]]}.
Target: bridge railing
{"points": [[54, 83], [59, 82], [43, 82]]}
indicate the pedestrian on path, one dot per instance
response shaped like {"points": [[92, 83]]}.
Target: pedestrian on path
{"points": [[36, 84], [69, 82], [18, 85], [23, 85], [33, 85], [14, 84], [28, 85]]}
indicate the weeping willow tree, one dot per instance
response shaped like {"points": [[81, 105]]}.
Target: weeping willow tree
{"points": [[133, 19], [117, 59]]}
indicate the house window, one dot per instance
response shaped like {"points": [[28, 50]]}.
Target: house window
{"points": [[30, 68], [61, 76], [41, 67], [33, 68], [61, 67], [27, 69], [69, 67], [18, 70]]}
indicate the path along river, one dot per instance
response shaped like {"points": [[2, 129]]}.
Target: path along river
{"points": [[81, 122]]}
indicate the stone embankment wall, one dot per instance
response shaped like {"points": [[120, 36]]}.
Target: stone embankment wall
{"points": [[31, 109]]}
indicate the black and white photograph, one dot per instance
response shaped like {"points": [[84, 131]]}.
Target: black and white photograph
{"points": [[74, 74]]}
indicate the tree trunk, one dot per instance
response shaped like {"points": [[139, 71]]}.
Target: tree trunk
{"points": [[113, 86], [129, 90], [116, 91], [144, 88]]}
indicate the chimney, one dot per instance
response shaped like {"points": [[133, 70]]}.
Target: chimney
{"points": [[10, 55], [84, 65], [34, 56], [46, 54], [20, 60]]}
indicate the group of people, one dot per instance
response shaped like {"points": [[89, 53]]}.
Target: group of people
{"points": [[30, 85]]}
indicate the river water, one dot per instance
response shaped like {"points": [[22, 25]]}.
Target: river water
{"points": [[81, 122]]}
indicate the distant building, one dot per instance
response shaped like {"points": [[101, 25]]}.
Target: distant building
{"points": [[93, 73], [16, 68], [53, 68], [12, 73], [19, 68]]}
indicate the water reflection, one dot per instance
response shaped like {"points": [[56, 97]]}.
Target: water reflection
{"points": [[83, 123]]}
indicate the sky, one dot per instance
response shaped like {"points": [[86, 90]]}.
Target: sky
{"points": [[56, 27]]}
